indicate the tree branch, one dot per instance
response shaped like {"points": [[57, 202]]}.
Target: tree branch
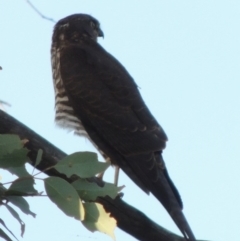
{"points": [[129, 219], [39, 13]]}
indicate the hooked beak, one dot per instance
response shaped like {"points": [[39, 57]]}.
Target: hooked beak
{"points": [[100, 33]]}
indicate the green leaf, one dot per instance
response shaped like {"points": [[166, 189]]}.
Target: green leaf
{"points": [[16, 215], [82, 164], [19, 171], [5, 226], [39, 157], [21, 203], [96, 219], [4, 235], [12, 153], [16, 158], [8, 143], [22, 186], [89, 191], [64, 196]]}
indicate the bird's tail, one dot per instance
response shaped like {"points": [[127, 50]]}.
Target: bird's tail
{"points": [[153, 173], [181, 222], [176, 206]]}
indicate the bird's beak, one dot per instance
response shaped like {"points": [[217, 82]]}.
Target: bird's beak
{"points": [[100, 33]]}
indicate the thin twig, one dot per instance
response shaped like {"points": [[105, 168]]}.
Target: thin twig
{"points": [[46, 169], [4, 103], [39, 13]]}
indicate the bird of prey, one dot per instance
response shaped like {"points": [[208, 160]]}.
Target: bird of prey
{"points": [[96, 97]]}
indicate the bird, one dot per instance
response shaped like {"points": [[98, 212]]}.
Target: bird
{"points": [[96, 97]]}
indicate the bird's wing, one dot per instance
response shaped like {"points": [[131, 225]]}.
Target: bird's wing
{"points": [[100, 87]]}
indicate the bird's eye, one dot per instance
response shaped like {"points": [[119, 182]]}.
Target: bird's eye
{"points": [[93, 25]]}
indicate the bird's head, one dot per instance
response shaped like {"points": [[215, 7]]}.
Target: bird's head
{"points": [[75, 28]]}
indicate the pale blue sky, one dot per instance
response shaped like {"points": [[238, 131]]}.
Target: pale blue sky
{"points": [[185, 57]]}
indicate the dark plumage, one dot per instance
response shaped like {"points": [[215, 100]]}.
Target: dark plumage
{"points": [[96, 97]]}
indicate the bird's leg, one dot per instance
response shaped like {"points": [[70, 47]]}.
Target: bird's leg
{"points": [[116, 175], [107, 159]]}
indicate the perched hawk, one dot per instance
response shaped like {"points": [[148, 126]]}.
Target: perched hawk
{"points": [[96, 97]]}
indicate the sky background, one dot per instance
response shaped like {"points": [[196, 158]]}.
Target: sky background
{"points": [[185, 57]]}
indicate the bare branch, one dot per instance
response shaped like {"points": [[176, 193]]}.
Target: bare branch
{"points": [[39, 13], [3, 104]]}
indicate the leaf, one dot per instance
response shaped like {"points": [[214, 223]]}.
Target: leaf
{"points": [[8, 143], [5, 226], [16, 215], [19, 171], [96, 219], [64, 196], [12, 153], [82, 164], [16, 158], [21, 203], [89, 191], [38, 159], [4, 235], [22, 186]]}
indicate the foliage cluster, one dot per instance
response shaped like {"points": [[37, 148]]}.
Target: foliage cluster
{"points": [[76, 199]]}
